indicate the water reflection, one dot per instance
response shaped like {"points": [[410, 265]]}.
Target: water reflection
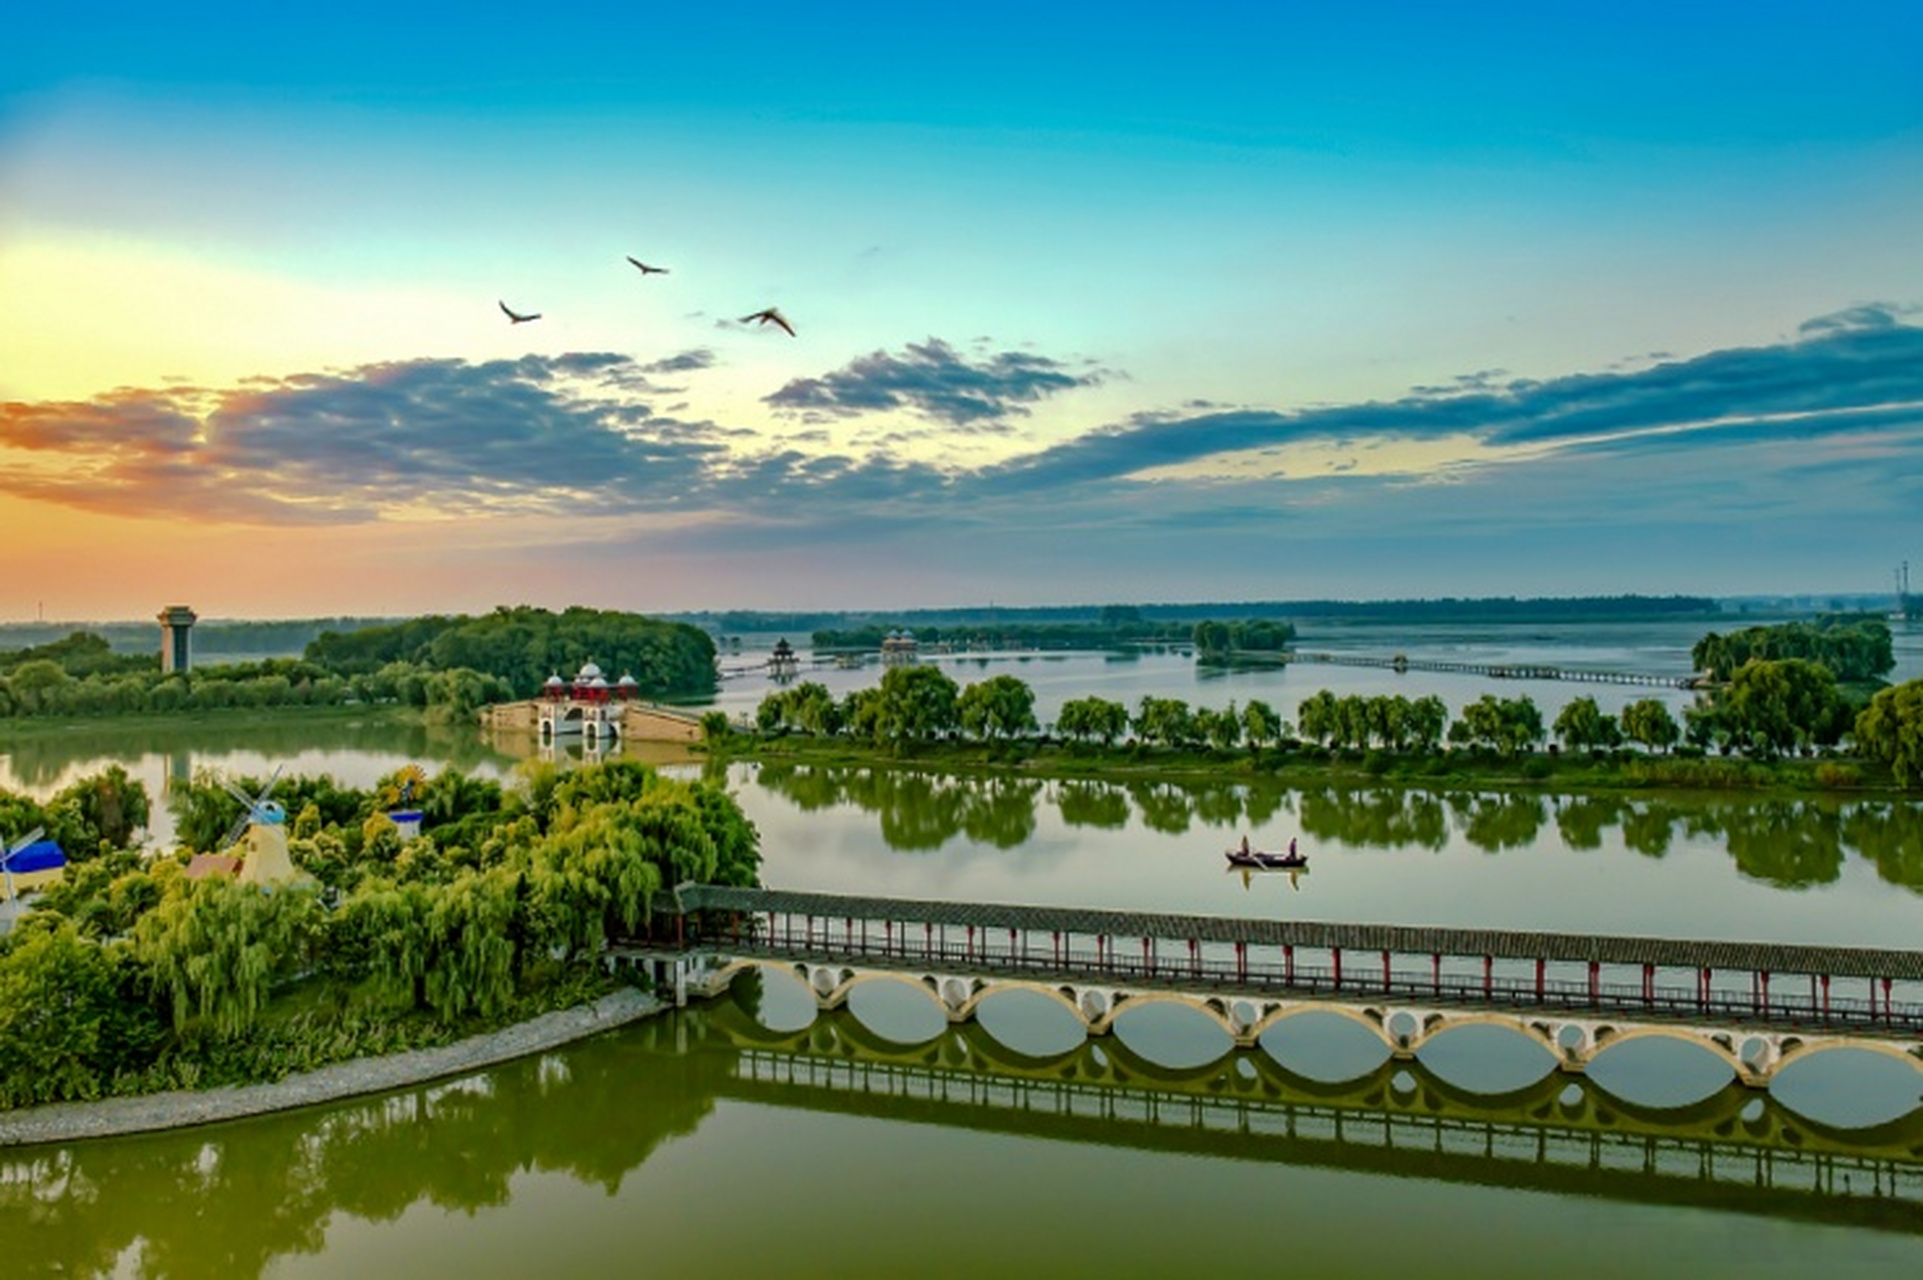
{"points": [[1787, 843], [233, 1199]]}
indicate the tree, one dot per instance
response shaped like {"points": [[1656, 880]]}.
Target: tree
{"points": [[1647, 721], [1260, 724], [1000, 707], [1581, 724], [1428, 717], [62, 1015], [1165, 720], [1317, 717], [917, 703], [1890, 729], [217, 947], [1773, 707], [1099, 718]]}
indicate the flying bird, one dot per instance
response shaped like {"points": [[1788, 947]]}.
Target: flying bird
{"points": [[517, 318], [645, 269], [770, 316]]}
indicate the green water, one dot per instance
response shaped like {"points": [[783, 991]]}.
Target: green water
{"points": [[679, 1148]]}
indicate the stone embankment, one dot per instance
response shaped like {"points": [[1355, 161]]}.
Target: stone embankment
{"points": [[113, 1117]]}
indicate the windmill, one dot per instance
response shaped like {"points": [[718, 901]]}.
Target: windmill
{"points": [[254, 809], [30, 853], [264, 821]]}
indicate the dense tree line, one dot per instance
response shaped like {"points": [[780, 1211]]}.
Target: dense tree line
{"points": [[1215, 640], [212, 637], [81, 654], [44, 688], [129, 976], [524, 646], [1108, 633], [1853, 647], [1771, 709]]}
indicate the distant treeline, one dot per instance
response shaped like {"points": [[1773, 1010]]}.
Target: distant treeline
{"points": [[451, 664], [524, 646], [1004, 619], [1116, 626], [283, 637]]}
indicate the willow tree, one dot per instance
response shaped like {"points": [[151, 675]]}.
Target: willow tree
{"points": [[217, 948]]}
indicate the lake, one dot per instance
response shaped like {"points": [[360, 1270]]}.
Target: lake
{"points": [[752, 1134]]}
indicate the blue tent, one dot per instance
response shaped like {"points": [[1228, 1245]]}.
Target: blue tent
{"points": [[41, 855]]}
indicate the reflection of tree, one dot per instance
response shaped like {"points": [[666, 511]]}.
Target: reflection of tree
{"points": [[1647, 828], [917, 810], [1092, 804], [1263, 803], [1891, 836], [1581, 819], [1788, 843], [1493, 823], [39, 759], [229, 1201], [1000, 811], [1218, 805], [811, 790], [1163, 806], [1386, 819]]}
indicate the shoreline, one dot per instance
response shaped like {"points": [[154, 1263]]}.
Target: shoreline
{"points": [[187, 1108]]}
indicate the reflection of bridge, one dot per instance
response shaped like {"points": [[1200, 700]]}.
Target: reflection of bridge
{"points": [[1733, 1150], [1575, 995]]}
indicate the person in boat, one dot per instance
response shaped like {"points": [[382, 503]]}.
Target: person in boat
{"points": [[1291, 846], [1245, 846]]}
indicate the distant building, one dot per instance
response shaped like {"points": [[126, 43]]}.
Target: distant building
{"points": [[176, 653], [589, 705], [900, 646]]}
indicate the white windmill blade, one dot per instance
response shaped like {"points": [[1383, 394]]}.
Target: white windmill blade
{"points": [[246, 801], [25, 840], [272, 782]]}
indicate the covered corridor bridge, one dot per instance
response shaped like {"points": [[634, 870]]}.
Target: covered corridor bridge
{"points": [[1863, 989]]}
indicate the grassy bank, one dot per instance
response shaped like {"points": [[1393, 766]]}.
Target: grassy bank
{"points": [[1585, 772]]}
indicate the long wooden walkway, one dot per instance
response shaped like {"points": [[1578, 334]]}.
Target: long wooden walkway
{"points": [[1496, 670], [1759, 982]]}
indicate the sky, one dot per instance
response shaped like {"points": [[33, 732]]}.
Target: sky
{"points": [[1116, 303]]}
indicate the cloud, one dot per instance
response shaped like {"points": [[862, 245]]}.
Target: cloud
{"points": [[929, 378], [1829, 423], [1842, 378], [684, 362], [1873, 315]]}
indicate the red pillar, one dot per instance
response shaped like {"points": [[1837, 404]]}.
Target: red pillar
{"points": [[970, 952], [1195, 958], [1385, 969], [1826, 997], [1148, 962], [1056, 937], [1488, 977], [1649, 983], [1595, 982], [1435, 971], [1288, 963], [1242, 961], [1337, 953], [1889, 1010], [1542, 967], [1765, 977]]}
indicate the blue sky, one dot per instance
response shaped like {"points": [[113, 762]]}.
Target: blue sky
{"points": [[1094, 303]]}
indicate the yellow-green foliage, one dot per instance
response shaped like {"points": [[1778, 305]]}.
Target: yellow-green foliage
{"points": [[217, 947]]}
